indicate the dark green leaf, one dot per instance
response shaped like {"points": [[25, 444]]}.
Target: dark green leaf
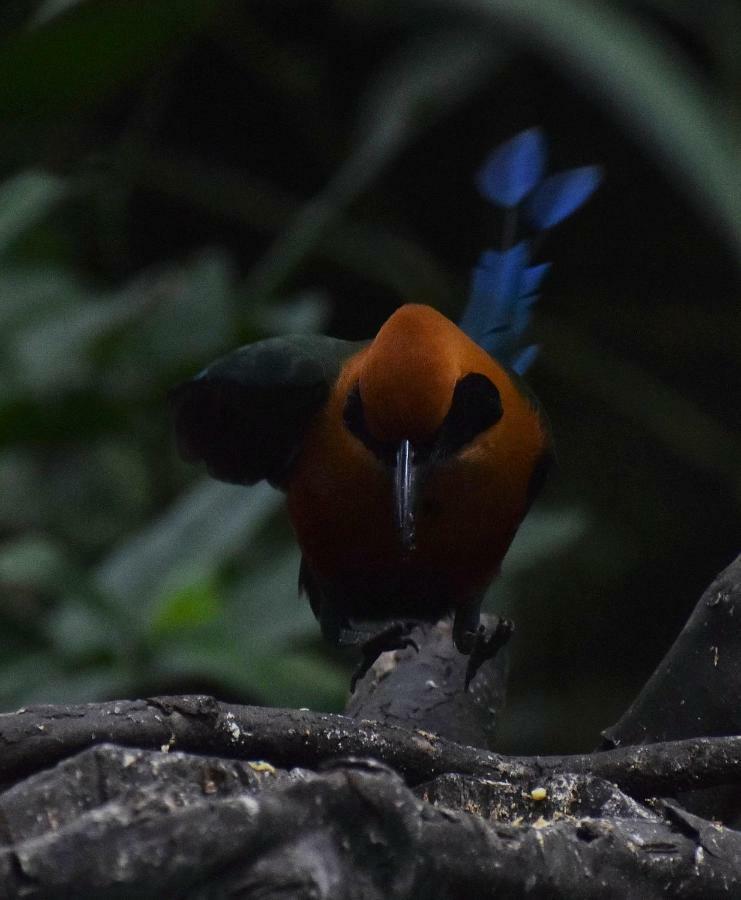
{"points": [[83, 56]]}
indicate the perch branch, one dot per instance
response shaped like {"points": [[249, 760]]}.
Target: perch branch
{"points": [[38, 737], [424, 689]]}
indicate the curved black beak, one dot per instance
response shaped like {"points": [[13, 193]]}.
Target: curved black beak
{"points": [[405, 493]]}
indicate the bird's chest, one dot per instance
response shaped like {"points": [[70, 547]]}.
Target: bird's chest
{"points": [[341, 505]]}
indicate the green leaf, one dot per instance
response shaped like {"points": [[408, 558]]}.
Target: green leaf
{"points": [[57, 354], [79, 417], [29, 295], [301, 679], [83, 56], [544, 534], [50, 9], [263, 672], [44, 680], [33, 562], [26, 200], [97, 492], [200, 298], [77, 629], [61, 337], [193, 605], [20, 502], [20, 679], [200, 531], [305, 313], [264, 606]]}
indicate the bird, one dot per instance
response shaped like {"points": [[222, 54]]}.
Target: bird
{"points": [[408, 461]]}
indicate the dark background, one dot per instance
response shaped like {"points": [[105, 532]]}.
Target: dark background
{"points": [[183, 176]]}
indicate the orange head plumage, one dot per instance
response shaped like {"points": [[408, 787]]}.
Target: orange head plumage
{"points": [[408, 374]]}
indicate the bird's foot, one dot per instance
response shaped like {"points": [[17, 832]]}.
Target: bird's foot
{"points": [[482, 646], [397, 637]]}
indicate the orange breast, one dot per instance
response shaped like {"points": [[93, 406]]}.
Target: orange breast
{"points": [[340, 496]]}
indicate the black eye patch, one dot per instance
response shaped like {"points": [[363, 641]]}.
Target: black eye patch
{"points": [[476, 406]]}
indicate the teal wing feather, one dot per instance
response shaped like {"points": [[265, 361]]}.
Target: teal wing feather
{"points": [[245, 415]]}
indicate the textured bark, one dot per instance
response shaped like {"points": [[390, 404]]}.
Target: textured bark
{"points": [[424, 689], [111, 822], [695, 689], [189, 797], [37, 737]]}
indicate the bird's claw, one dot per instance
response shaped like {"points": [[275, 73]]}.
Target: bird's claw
{"points": [[397, 637], [486, 646]]}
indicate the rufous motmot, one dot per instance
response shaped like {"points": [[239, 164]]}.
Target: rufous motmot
{"points": [[408, 461]]}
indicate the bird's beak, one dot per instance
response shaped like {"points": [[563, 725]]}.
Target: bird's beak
{"points": [[405, 493]]}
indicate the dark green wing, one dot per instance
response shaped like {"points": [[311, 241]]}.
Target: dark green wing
{"points": [[246, 414]]}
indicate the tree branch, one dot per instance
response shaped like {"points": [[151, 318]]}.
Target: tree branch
{"points": [[78, 815], [38, 737], [424, 689], [114, 822], [695, 689]]}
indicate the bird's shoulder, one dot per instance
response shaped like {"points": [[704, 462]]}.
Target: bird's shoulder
{"points": [[246, 414]]}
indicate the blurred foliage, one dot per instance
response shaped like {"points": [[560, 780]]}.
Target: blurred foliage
{"points": [[184, 176]]}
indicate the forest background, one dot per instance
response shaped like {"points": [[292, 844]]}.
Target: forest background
{"points": [[181, 177]]}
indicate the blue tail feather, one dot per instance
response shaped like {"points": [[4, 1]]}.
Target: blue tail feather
{"points": [[497, 275], [525, 358], [513, 169], [558, 196], [504, 285], [532, 277]]}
